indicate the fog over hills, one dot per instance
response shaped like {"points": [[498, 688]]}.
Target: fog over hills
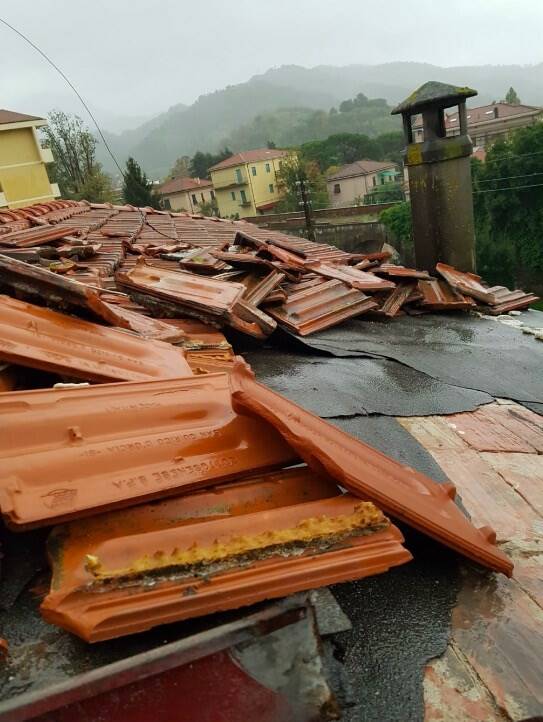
{"points": [[215, 118]]}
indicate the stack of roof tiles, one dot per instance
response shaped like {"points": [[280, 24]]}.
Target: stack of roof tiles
{"points": [[119, 389]]}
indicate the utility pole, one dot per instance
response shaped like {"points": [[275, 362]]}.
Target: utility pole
{"points": [[304, 193]]}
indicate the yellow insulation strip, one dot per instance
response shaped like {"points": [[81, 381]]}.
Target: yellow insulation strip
{"points": [[365, 516]]}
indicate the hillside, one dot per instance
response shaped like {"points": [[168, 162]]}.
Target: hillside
{"points": [[231, 114]]}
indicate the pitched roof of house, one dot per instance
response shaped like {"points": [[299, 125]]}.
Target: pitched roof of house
{"points": [[361, 167], [10, 116], [490, 112], [179, 185], [250, 156]]}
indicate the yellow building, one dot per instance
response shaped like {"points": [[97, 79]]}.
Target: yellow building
{"points": [[23, 172], [186, 194], [246, 183]]}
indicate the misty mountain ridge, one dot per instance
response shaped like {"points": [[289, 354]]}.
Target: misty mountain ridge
{"points": [[219, 117]]}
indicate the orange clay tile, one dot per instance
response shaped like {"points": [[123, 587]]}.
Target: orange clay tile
{"points": [[467, 283], [40, 338], [144, 326], [397, 489], [198, 292], [72, 452], [266, 538], [354, 277], [320, 306], [34, 283]]}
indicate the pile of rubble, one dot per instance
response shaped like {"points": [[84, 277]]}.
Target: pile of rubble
{"points": [[229, 273], [119, 391]]}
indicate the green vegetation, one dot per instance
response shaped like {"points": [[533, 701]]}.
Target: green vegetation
{"points": [[508, 204], [397, 220], [512, 97], [137, 189], [201, 162], [336, 150], [75, 169], [295, 170], [297, 126]]}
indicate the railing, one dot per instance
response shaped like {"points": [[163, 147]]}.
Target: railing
{"points": [[230, 181], [47, 155]]}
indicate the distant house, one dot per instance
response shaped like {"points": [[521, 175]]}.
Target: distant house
{"points": [[488, 123], [23, 171], [186, 194], [352, 182], [246, 183]]}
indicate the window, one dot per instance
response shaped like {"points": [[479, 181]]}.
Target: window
{"points": [[202, 197], [243, 197], [268, 169], [253, 170], [194, 199], [337, 188], [166, 202], [374, 181], [270, 187], [233, 195], [212, 194], [382, 180], [238, 175]]}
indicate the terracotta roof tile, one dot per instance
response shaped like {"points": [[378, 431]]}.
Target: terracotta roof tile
{"points": [[250, 156], [360, 167], [179, 185], [10, 116]]}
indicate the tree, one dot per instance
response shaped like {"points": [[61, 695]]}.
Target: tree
{"points": [[201, 162], [137, 189], [295, 169], [75, 168], [512, 97], [398, 221], [180, 169], [508, 205]]}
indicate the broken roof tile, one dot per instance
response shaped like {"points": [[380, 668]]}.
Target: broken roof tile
{"points": [[75, 451], [320, 306], [226, 548], [354, 277], [399, 490], [43, 339]]}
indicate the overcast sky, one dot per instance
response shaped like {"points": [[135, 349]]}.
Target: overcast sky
{"points": [[137, 57]]}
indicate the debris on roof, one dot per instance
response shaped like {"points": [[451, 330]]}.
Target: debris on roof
{"points": [[236, 494]]}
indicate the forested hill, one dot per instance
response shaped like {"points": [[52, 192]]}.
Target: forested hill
{"points": [[281, 103]]}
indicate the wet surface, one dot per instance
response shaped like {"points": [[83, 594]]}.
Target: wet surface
{"points": [[400, 621], [459, 349], [387, 435], [333, 387]]}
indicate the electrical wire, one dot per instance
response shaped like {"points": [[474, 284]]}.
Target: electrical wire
{"points": [[508, 156], [509, 177], [510, 189], [84, 104]]}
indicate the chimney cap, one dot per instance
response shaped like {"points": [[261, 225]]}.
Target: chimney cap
{"points": [[441, 95]]}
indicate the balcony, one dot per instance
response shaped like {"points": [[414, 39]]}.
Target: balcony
{"points": [[230, 180], [47, 155]]}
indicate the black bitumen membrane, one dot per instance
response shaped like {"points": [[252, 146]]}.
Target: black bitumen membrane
{"points": [[458, 349], [359, 376], [332, 387]]}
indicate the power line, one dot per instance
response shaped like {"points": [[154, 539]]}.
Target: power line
{"points": [[509, 177], [510, 189], [84, 104], [508, 156]]}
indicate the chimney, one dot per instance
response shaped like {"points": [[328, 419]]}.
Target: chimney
{"points": [[440, 178]]}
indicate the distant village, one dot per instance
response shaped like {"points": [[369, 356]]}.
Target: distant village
{"points": [[247, 184]]}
